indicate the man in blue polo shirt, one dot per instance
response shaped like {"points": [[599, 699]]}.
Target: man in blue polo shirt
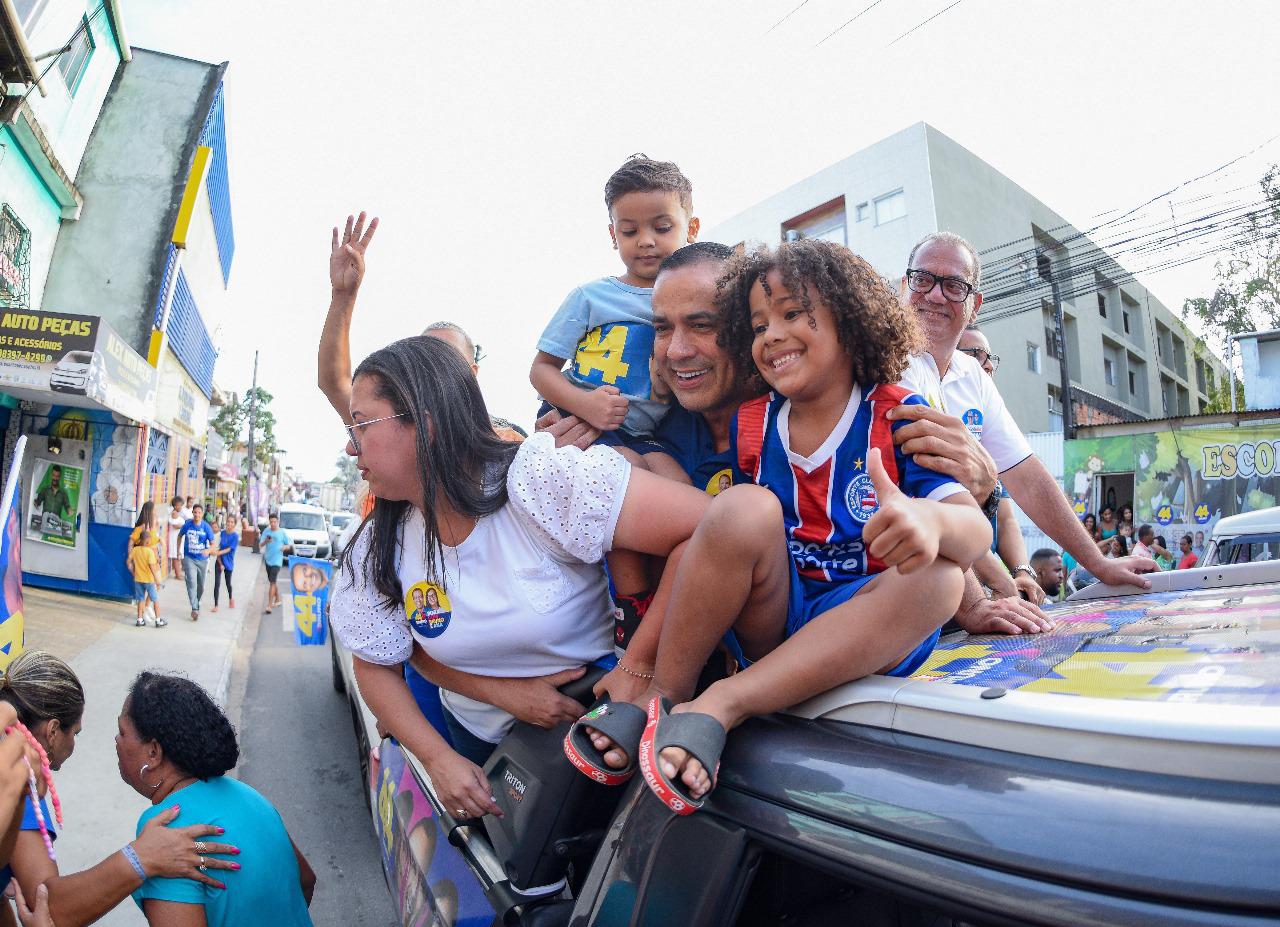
{"points": [[195, 540]]}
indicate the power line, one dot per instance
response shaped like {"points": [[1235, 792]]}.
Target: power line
{"points": [[84, 25], [925, 23], [866, 9], [785, 18]]}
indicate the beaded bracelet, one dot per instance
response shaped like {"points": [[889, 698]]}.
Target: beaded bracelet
{"points": [[31, 785], [630, 672], [132, 856]]}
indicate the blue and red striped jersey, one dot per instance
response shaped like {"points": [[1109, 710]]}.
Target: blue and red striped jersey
{"points": [[828, 497]]}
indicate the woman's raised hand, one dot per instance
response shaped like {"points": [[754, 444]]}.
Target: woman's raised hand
{"points": [[346, 256], [461, 786], [182, 852]]}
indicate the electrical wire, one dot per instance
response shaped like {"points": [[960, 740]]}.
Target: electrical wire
{"points": [[925, 23], [84, 24], [857, 16], [793, 12]]}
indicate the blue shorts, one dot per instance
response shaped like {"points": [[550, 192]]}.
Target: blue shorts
{"points": [[619, 438], [808, 598], [144, 591]]}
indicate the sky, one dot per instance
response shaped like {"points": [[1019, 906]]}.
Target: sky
{"points": [[481, 133]]}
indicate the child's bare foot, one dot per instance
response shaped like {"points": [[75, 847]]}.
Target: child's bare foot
{"points": [[678, 764]]}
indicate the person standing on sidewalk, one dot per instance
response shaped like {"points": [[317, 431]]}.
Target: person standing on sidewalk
{"points": [[275, 543], [225, 561], [176, 521], [196, 540], [145, 567]]}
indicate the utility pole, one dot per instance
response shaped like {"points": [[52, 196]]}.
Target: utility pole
{"points": [[1044, 267], [253, 422]]}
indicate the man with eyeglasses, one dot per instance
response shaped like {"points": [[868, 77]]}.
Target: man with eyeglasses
{"points": [[968, 433]]}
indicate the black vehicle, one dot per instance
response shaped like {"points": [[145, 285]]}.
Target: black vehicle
{"points": [[1122, 769]]}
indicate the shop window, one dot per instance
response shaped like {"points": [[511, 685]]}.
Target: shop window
{"points": [[157, 453], [891, 206], [75, 60], [864, 212], [193, 463]]}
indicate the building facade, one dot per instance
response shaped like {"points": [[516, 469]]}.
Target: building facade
{"points": [[111, 359], [1128, 356]]}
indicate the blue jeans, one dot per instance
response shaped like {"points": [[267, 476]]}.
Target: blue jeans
{"points": [[467, 744], [193, 571]]}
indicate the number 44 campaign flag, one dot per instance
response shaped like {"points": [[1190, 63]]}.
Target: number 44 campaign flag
{"points": [[309, 582], [11, 624]]}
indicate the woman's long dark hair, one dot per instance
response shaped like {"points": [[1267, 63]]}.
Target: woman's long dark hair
{"points": [[460, 459], [146, 514]]}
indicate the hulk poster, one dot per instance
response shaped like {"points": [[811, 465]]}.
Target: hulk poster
{"points": [[55, 501], [1184, 480]]}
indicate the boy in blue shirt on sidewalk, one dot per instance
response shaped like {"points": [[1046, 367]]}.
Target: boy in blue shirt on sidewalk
{"points": [[604, 330], [195, 539]]}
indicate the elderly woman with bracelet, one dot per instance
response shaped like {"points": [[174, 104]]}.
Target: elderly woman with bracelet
{"points": [[175, 746], [48, 699]]}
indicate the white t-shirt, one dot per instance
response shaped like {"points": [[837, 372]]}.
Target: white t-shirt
{"points": [[970, 394], [524, 595]]}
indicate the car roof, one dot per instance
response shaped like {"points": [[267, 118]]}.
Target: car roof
{"points": [[1188, 678], [1253, 522]]}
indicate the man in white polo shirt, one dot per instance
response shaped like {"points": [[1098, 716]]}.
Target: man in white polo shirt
{"points": [[941, 284]]}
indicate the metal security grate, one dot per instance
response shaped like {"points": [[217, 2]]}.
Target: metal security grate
{"points": [[15, 261]]}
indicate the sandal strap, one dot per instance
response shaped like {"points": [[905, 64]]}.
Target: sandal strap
{"points": [[621, 722]]}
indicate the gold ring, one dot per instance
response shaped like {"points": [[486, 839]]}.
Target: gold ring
{"points": [[202, 867]]}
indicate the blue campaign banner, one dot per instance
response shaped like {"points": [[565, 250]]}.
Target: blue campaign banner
{"points": [[309, 582], [11, 623]]}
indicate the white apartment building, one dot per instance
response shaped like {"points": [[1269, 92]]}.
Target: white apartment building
{"points": [[1129, 357]]}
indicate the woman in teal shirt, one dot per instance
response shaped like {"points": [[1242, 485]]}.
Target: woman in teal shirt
{"points": [[175, 745]]}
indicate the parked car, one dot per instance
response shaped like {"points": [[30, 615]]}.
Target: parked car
{"points": [[338, 522], [307, 529], [1246, 538], [1121, 769]]}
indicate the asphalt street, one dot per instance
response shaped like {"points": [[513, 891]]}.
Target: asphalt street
{"points": [[299, 750]]}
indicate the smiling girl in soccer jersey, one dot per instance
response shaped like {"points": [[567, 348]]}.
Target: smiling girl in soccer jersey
{"points": [[861, 549]]}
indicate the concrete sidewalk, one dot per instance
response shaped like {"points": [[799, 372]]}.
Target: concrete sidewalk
{"points": [[107, 651]]}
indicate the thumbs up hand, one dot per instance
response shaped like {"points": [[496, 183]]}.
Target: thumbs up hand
{"points": [[904, 532]]}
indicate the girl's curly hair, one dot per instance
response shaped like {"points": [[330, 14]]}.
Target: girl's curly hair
{"points": [[876, 332], [185, 721]]}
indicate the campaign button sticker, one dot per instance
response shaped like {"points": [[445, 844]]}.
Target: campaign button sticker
{"points": [[427, 606]]}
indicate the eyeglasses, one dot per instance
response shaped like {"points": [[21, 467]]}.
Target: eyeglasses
{"points": [[352, 429], [953, 288], [982, 357]]}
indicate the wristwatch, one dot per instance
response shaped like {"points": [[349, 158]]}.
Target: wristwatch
{"points": [[992, 505], [1023, 568]]}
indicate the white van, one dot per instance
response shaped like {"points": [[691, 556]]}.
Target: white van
{"points": [[307, 529], [78, 372], [1246, 538]]}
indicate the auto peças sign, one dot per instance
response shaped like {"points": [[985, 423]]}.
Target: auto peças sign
{"points": [[73, 355]]}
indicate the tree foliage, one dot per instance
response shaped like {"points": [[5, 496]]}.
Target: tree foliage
{"points": [[232, 421], [1247, 295], [348, 473]]}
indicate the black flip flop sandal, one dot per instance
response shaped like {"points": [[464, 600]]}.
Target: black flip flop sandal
{"points": [[622, 723], [701, 735]]}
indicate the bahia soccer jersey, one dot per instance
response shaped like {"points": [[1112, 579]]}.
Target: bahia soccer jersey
{"points": [[828, 497]]}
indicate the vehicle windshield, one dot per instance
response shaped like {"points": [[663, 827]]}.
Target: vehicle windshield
{"points": [[302, 521], [340, 521], [1251, 548], [78, 357]]}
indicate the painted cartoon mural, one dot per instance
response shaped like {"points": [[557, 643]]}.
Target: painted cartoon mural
{"points": [[1184, 479]]}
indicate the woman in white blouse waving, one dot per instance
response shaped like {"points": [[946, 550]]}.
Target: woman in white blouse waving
{"points": [[481, 553]]}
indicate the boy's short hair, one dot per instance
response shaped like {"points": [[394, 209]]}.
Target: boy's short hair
{"points": [[1145, 531], [143, 538], [699, 252], [641, 174], [1043, 554]]}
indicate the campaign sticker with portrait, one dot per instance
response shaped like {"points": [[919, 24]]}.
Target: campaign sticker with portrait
{"points": [[721, 481], [428, 608], [973, 421], [55, 502]]}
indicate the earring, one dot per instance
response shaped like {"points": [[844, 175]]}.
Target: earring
{"points": [[143, 771]]}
